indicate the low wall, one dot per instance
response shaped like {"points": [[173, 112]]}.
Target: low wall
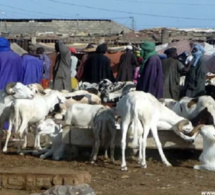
{"points": [[25, 179]]}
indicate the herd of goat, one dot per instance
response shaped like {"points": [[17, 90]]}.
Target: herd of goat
{"points": [[25, 105]]}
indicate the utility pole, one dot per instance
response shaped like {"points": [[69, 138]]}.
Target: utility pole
{"points": [[77, 17], [132, 22]]}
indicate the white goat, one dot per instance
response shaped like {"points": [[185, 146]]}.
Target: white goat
{"points": [[207, 157], [32, 111], [54, 131], [104, 131], [142, 112]]}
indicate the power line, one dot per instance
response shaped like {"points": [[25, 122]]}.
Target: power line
{"points": [[50, 7], [34, 12], [167, 3], [132, 13], [15, 13]]}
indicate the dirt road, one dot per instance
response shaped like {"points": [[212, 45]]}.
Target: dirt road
{"points": [[107, 178]]}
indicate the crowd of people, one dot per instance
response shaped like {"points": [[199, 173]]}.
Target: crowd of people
{"points": [[158, 75]]}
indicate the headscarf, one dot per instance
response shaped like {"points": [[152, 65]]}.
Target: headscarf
{"points": [[148, 50], [198, 54], [4, 44]]}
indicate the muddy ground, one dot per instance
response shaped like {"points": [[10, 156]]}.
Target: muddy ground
{"points": [[107, 178]]}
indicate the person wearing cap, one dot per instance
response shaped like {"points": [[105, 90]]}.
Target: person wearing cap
{"points": [[127, 64], [74, 63], [97, 66], [171, 74], [40, 51], [62, 68], [10, 64], [151, 74], [196, 76]]}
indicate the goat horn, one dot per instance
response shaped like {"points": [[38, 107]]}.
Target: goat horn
{"points": [[8, 88], [182, 123], [195, 130], [40, 88]]}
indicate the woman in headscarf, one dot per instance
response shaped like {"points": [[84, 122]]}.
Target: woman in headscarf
{"points": [[195, 78], [151, 74], [10, 64], [97, 66]]}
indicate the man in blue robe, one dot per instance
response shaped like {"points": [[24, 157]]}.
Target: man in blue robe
{"points": [[10, 64], [151, 73], [32, 69]]}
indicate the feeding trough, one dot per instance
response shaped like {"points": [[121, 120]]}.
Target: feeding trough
{"points": [[83, 137]]}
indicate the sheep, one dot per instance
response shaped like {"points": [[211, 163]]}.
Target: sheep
{"points": [[192, 108], [210, 90], [36, 88], [207, 157], [86, 85], [104, 128], [54, 131], [113, 91], [141, 112], [12, 91], [84, 99], [81, 115], [26, 112]]}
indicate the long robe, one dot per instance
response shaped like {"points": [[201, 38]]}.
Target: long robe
{"points": [[32, 69], [171, 77], [195, 79], [151, 78], [10, 68], [97, 68], [62, 69], [128, 62]]}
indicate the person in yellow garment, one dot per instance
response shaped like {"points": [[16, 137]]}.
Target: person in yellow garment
{"points": [[74, 62]]}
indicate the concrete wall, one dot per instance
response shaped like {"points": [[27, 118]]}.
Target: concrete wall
{"points": [[100, 27]]}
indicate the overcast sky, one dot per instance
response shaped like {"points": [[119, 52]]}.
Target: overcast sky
{"points": [[139, 14]]}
